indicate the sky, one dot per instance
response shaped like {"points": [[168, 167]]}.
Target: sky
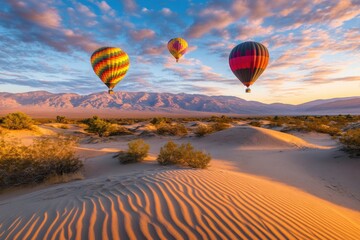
{"points": [[314, 46]]}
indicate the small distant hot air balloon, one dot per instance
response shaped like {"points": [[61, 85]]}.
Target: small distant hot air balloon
{"points": [[177, 47], [248, 61], [111, 65]]}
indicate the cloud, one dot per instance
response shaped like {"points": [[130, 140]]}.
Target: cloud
{"points": [[35, 22], [139, 35], [81, 8], [166, 11], [104, 6], [130, 5], [36, 13]]}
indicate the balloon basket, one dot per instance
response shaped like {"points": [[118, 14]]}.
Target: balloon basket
{"points": [[248, 90], [111, 92], [177, 60]]}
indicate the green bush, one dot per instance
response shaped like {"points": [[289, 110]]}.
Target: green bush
{"points": [[137, 151], [351, 140], [176, 129], [98, 126], [17, 121], [46, 157], [184, 155]]}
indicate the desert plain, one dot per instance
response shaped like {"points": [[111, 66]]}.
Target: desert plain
{"points": [[260, 184]]}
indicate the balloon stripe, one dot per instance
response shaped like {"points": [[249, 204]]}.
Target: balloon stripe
{"points": [[248, 61], [110, 64]]}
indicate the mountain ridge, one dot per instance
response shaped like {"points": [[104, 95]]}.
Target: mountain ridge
{"points": [[43, 101]]}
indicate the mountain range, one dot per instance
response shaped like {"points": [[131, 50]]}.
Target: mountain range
{"points": [[130, 104]]}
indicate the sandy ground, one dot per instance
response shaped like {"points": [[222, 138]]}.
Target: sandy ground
{"points": [[262, 184]]}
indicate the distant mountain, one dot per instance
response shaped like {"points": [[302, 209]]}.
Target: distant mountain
{"points": [[41, 103]]}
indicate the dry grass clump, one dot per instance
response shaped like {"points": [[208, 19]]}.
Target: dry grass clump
{"points": [[174, 129], [351, 141], [21, 164], [204, 129], [104, 128], [17, 121], [185, 155], [137, 151], [255, 123]]}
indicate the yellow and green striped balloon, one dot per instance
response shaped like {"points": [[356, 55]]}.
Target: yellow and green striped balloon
{"points": [[177, 47], [111, 65]]}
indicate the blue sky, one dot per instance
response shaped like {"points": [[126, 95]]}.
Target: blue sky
{"points": [[314, 46]]}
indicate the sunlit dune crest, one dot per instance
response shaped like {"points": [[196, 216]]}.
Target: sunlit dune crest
{"points": [[182, 204]]}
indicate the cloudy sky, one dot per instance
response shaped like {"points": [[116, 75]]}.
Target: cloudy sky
{"points": [[314, 46]]}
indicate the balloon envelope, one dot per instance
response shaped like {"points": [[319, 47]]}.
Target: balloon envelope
{"points": [[110, 64], [248, 61], [177, 47]]}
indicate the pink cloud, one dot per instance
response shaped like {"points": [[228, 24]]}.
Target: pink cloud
{"points": [[130, 5], [142, 34], [40, 14], [156, 50], [104, 6], [85, 10]]}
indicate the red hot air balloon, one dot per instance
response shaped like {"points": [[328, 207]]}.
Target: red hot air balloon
{"points": [[248, 61]]}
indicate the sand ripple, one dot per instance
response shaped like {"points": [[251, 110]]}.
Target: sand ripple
{"points": [[174, 204]]}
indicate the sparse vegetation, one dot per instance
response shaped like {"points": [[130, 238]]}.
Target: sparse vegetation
{"points": [[331, 125], [185, 155], [61, 119], [255, 123], [137, 151], [46, 157], [175, 129], [203, 129], [159, 120], [17, 121], [351, 141], [104, 128], [98, 126]]}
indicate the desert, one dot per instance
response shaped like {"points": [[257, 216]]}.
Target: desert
{"points": [[260, 184]]}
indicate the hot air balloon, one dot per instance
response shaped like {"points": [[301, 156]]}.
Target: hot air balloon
{"points": [[177, 47], [111, 65], [248, 61]]}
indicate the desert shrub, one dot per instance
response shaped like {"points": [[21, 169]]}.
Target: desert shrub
{"points": [[255, 123], [202, 129], [219, 126], [137, 151], [185, 155], [116, 130], [98, 126], [222, 119], [61, 119], [21, 164], [159, 120], [176, 129], [17, 121], [351, 140]]}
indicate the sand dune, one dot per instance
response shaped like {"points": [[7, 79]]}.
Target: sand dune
{"points": [[175, 204], [248, 137]]}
